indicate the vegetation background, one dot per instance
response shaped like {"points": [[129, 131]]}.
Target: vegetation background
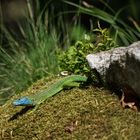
{"points": [[35, 37], [41, 38]]}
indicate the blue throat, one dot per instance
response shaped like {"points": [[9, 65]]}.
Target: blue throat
{"points": [[23, 102]]}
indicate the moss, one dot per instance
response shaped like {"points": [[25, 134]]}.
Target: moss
{"points": [[80, 113]]}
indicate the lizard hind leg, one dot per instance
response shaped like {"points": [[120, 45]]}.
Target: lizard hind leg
{"points": [[71, 84]]}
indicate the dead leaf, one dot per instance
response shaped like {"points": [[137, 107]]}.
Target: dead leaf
{"points": [[129, 99]]}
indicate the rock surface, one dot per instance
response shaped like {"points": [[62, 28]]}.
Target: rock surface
{"points": [[119, 67]]}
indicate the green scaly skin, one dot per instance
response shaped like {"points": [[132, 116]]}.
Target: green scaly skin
{"points": [[66, 82]]}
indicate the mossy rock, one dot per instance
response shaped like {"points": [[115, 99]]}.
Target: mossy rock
{"points": [[79, 113]]}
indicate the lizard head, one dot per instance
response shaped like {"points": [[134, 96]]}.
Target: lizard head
{"points": [[23, 102]]}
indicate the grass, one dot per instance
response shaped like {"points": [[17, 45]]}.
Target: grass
{"points": [[122, 32], [30, 61], [25, 66], [79, 113], [33, 56]]}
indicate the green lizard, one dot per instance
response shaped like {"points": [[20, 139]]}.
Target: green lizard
{"points": [[38, 98]]}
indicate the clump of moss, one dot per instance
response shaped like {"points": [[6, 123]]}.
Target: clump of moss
{"points": [[80, 113]]}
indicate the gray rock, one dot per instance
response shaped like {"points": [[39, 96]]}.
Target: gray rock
{"points": [[118, 67]]}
